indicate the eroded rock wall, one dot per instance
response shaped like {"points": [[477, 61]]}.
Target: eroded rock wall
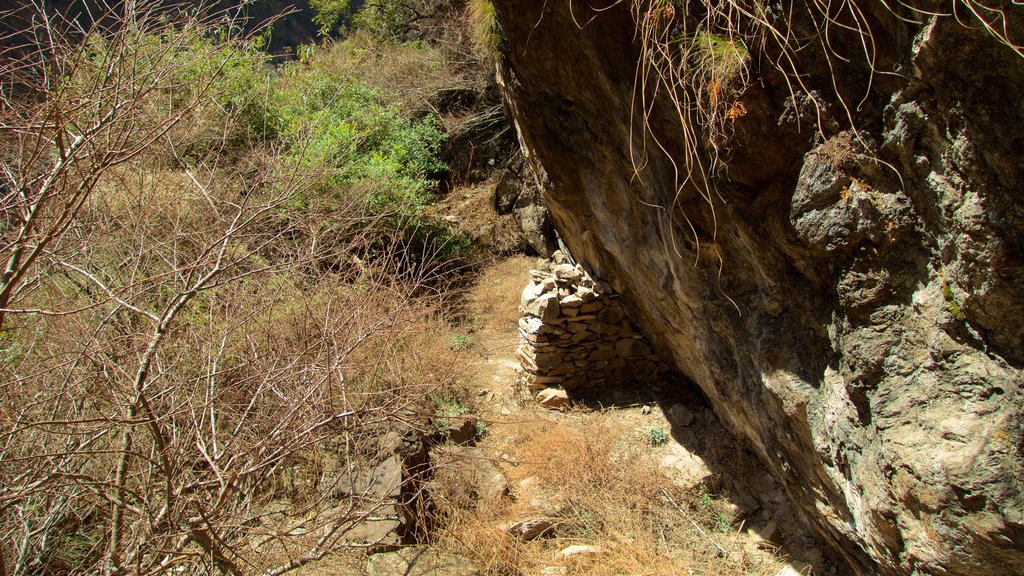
{"points": [[850, 296]]}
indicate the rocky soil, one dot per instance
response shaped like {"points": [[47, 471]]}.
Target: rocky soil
{"points": [[492, 492]]}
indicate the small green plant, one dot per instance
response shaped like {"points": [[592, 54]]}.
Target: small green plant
{"points": [[461, 341], [445, 409], [587, 522], [705, 498], [481, 429], [655, 436], [722, 522], [951, 304], [723, 58]]}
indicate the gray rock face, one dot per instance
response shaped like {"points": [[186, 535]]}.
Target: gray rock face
{"points": [[851, 301], [517, 193]]}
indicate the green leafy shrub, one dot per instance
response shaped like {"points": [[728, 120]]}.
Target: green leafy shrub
{"points": [[655, 436], [445, 409], [330, 14], [366, 151], [351, 130]]}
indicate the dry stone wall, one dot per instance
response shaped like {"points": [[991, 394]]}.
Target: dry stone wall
{"points": [[574, 335]]}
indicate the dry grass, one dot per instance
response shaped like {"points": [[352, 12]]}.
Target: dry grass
{"points": [[597, 478], [494, 300], [483, 27], [471, 211]]}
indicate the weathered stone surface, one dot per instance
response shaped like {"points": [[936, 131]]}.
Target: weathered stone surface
{"points": [[464, 475], [517, 193], [688, 470], [554, 398], [379, 487], [571, 301], [420, 561], [544, 307], [581, 350], [852, 303], [531, 528], [460, 430], [567, 273]]}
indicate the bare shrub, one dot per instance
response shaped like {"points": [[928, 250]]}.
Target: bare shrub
{"points": [[179, 359]]}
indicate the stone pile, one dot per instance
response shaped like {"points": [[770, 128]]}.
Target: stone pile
{"points": [[574, 335]]}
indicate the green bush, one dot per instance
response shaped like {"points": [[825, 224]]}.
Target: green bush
{"points": [[351, 131], [365, 150]]}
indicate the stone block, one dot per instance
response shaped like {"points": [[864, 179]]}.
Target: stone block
{"points": [[571, 301], [581, 336], [531, 325], [562, 370], [577, 327], [568, 273], [530, 293], [548, 359], [554, 398], [544, 307], [602, 354]]}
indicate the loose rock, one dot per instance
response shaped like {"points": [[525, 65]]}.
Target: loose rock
{"points": [[576, 550], [555, 398], [530, 529]]}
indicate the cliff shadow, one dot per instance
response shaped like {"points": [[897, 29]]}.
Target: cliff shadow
{"points": [[730, 485]]}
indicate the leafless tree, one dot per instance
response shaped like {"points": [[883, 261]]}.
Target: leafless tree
{"points": [[172, 357]]}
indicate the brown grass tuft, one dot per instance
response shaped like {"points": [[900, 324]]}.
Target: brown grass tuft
{"points": [[494, 300], [599, 479]]}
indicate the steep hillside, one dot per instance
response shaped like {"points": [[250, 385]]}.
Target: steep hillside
{"points": [[816, 214]]}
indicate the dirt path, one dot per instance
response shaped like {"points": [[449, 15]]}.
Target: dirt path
{"points": [[642, 481]]}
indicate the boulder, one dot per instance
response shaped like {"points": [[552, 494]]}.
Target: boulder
{"points": [[554, 398], [463, 476]]}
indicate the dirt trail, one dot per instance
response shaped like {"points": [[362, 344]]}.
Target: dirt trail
{"points": [[646, 481]]}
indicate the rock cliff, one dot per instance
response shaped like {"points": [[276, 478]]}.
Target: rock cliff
{"points": [[821, 222]]}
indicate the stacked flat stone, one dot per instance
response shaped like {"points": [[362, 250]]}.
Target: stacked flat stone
{"points": [[575, 335]]}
